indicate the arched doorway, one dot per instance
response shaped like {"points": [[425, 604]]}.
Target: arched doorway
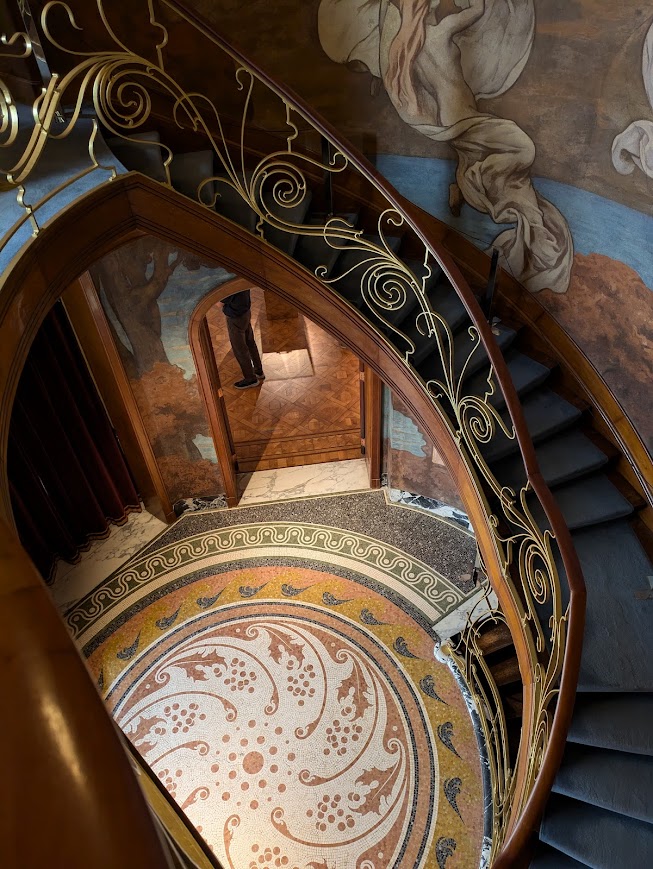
{"points": [[318, 404], [132, 206]]}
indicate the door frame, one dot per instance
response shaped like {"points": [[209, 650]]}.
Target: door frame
{"points": [[213, 396]]}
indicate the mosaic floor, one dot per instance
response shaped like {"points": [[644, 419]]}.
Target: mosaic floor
{"points": [[280, 680]]}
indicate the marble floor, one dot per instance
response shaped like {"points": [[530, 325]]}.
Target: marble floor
{"points": [[302, 481], [283, 686], [72, 581]]}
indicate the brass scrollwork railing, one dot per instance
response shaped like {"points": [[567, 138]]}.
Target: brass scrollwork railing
{"points": [[132, 91]]}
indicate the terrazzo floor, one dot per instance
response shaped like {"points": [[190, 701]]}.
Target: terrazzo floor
{"points": [[72, 581], [279, 677]]}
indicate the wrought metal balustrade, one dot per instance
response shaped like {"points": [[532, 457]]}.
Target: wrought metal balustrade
{"points": [[138, 79]]}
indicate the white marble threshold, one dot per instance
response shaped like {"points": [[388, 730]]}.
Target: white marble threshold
{"points": [[327, 478]]}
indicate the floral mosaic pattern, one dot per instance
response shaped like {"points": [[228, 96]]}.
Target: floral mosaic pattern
{"points": [[295, 733]]}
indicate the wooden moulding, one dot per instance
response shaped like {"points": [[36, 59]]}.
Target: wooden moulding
{"points": [[209, 382], [373, 395], [94, 335]]}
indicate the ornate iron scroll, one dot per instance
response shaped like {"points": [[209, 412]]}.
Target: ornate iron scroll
{"points": [[127, 91]]}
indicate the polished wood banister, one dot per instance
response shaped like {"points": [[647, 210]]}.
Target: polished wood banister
{"points": [[64, 766], [522, 830], [521, 827]]}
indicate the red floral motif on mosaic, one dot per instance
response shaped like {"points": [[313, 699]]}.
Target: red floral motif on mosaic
{"points": [[355, 689], [142, 731], [197, 666], [381, 783], [280, 643]]}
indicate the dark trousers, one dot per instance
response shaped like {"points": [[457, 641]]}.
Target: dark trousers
{"points": [[244, 346]]}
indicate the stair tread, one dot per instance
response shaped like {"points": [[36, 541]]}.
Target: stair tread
{"points": [[596, 837], [349, 284], [585, 502], [622, 722], [561, 459], [497, 638], [428, 283], [546, 414], [617, 651], [140, 158], [526, 373], [445, 301], [463, 346], [285, 240], [613, 780], [231, 204], [547, 857], [188, 170]]}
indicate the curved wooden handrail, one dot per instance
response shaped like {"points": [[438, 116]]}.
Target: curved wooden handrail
{"points": [[522, 828], [522, 831], [62, 756]]}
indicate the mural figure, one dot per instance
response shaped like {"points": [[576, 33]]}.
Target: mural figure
{"points": [[634, 146], [435, 66]]}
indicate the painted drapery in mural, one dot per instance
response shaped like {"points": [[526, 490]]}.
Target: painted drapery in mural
{"points": [[435, 69], [634, 146]]}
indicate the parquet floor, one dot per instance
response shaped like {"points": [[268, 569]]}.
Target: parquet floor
{"points": [[308, 408]]}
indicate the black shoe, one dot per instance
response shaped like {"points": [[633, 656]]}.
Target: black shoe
{"points": [[260, 377], [245, 384]]}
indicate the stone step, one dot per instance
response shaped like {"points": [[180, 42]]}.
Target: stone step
{"points": [[621, 722], [585, 502], [525, 372], [188, 171], [546, 414], [146, 157], [561, 459], [613, 780], [595, 836]]}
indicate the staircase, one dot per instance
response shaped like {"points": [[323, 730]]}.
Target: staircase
{"points": [[600, 813]]}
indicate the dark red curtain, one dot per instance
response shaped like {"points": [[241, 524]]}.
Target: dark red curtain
{"points": [[67, 474]]}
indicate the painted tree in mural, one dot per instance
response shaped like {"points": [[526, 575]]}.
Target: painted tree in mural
{"points": [[132, 279], [436, 60]]}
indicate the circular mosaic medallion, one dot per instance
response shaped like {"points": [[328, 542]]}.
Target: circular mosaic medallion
{"points": [[298, 734]]}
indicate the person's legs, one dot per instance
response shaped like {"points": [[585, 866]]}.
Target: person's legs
{"points": [[253, 350], [238, 328]]}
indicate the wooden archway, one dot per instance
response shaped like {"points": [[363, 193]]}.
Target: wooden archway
{"points": [[200, 344], [131, 206]]}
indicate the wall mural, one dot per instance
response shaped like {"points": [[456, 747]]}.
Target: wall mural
{"points": [[435, 67], [149, 290], [634, 147], [526, 126]]}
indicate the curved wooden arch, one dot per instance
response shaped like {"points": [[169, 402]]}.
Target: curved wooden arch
{"points": [[200, 345], [132, 206]]}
